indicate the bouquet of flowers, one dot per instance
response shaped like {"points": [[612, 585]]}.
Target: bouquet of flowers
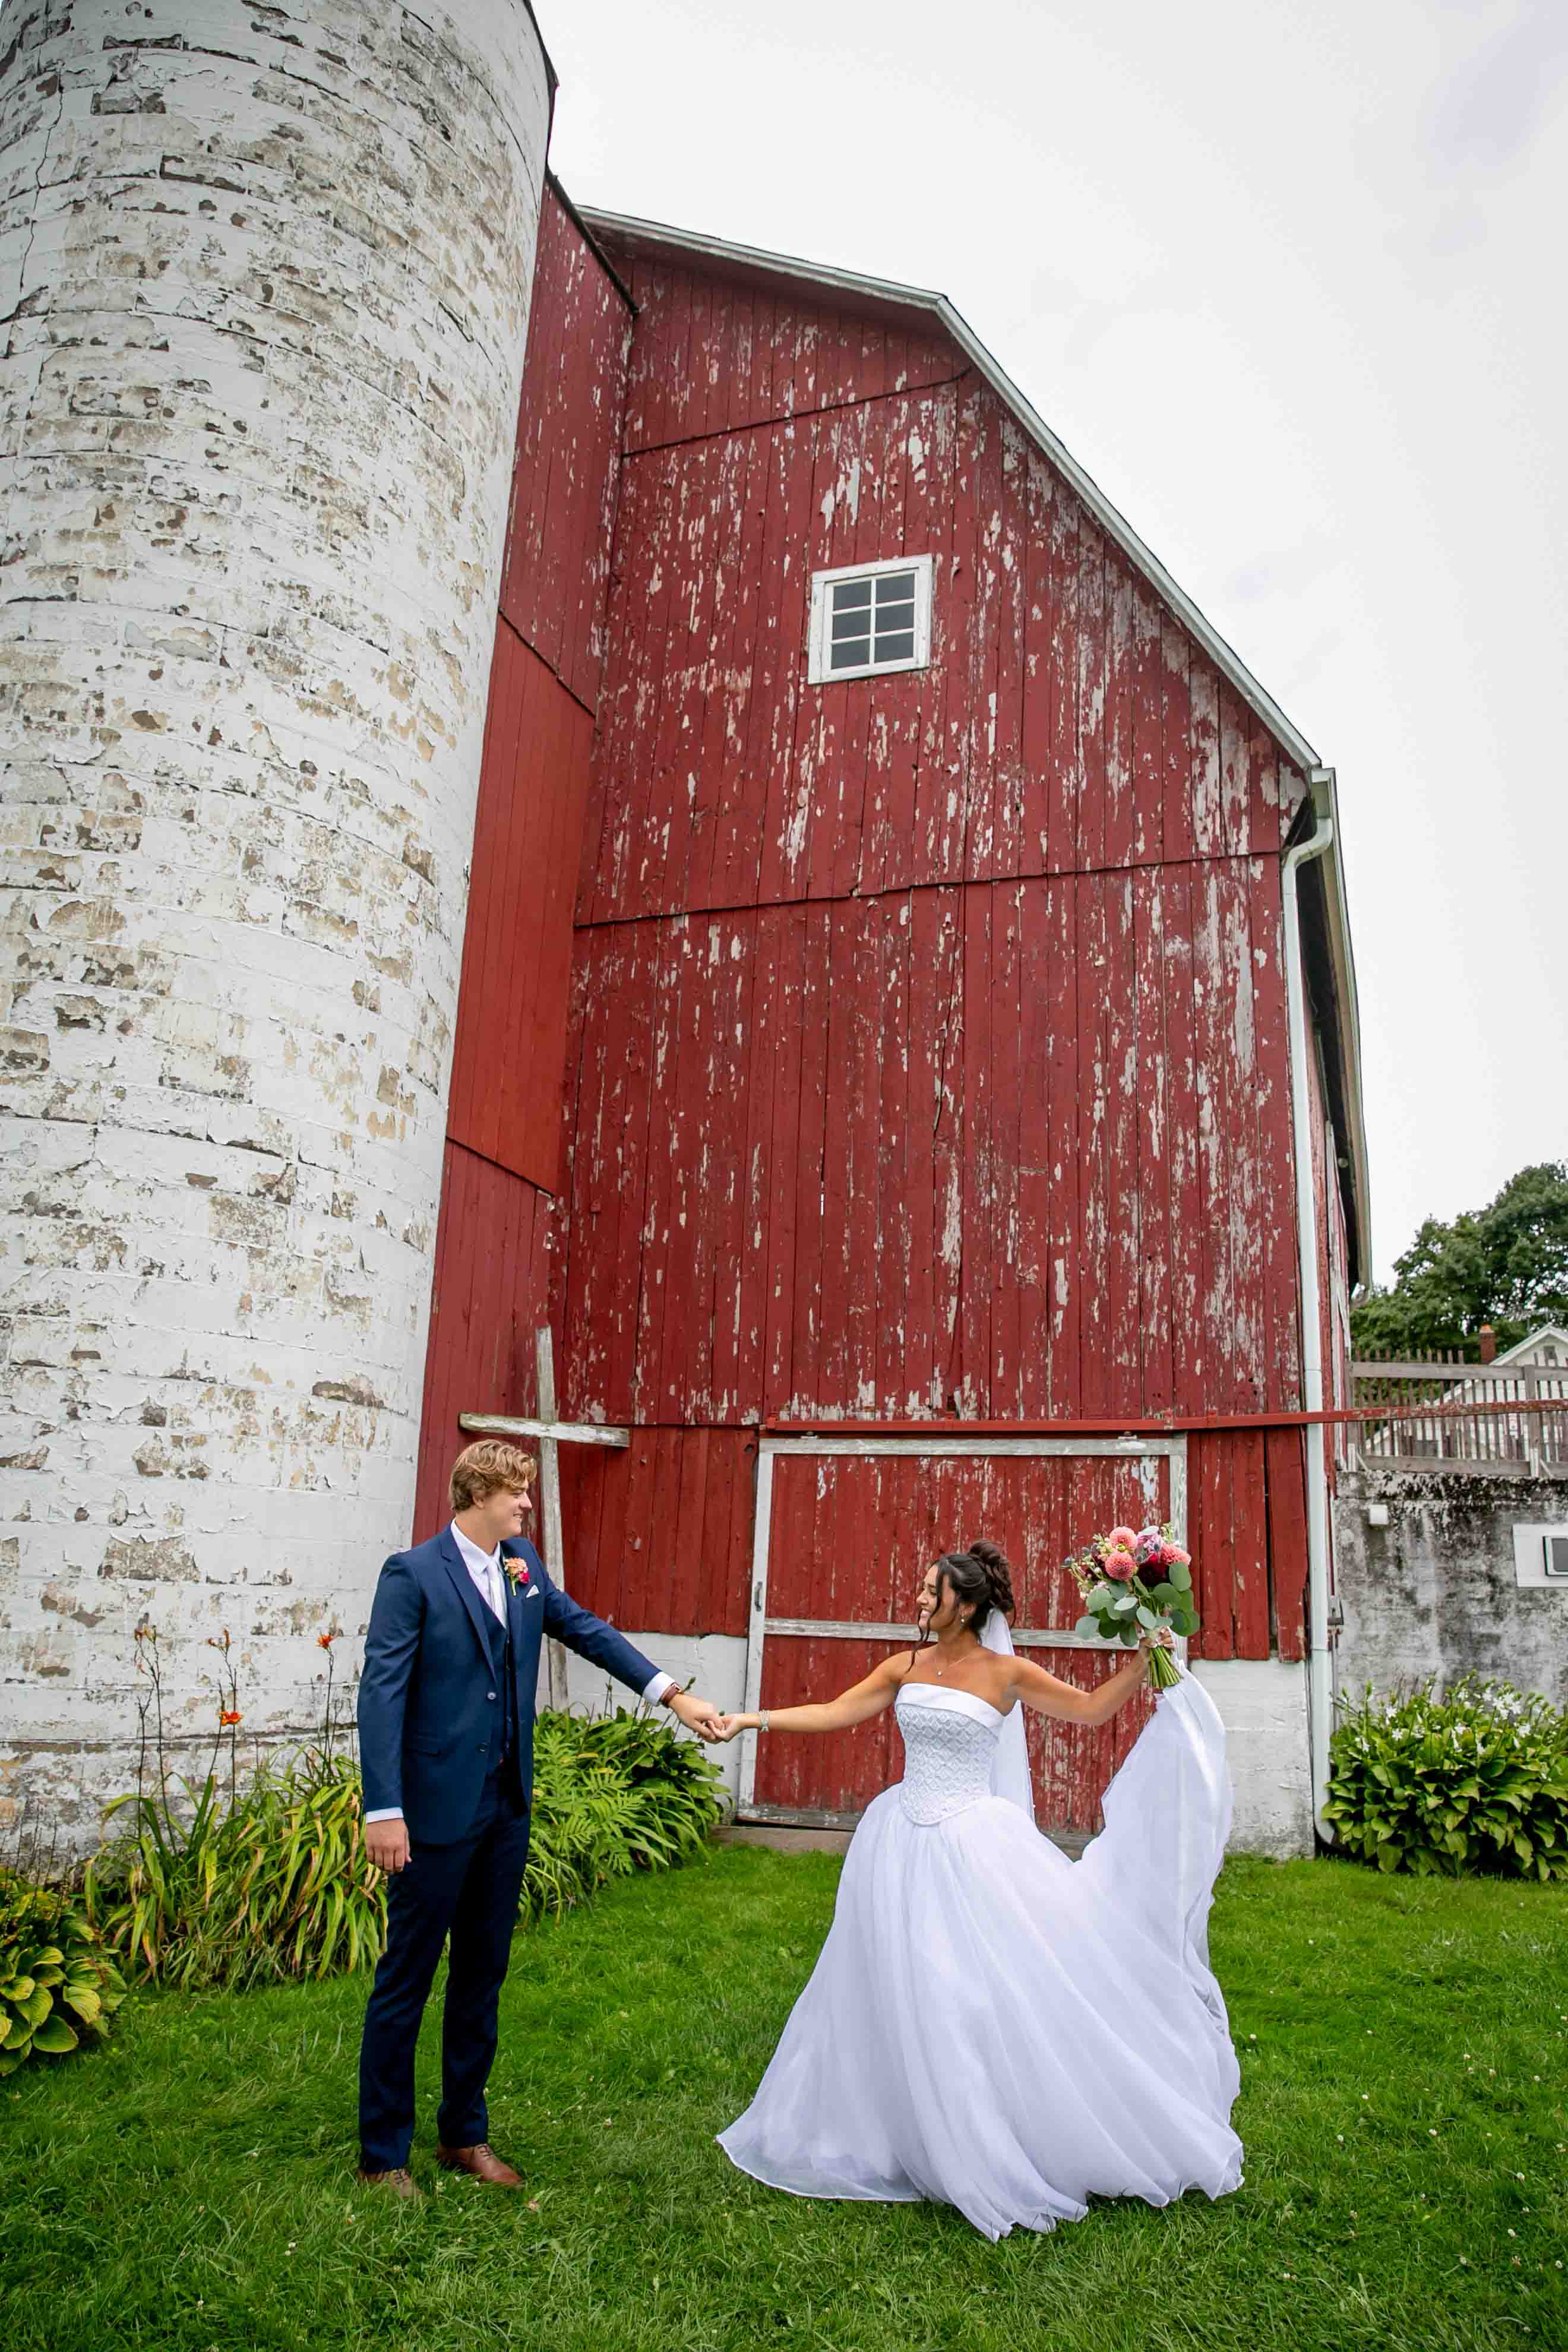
{"points": [[1137, 1583]]}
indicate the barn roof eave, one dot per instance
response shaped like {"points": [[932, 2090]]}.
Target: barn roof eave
{"points": [[881, 291], [1292, 741]]}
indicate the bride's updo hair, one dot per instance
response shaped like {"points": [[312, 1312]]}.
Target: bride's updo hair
{"points": [[979, 1579]]}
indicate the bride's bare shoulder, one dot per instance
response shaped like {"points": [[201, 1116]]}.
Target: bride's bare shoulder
{"points": [[1001, 1683]]}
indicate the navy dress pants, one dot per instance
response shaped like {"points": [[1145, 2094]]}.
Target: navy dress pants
{"points": [[468, 1890]]}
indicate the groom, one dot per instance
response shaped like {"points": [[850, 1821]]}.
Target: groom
{"points": [[445, 1730]]}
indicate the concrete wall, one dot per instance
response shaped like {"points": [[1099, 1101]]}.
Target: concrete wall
{"points": [[265, 278], [1434, 1592], [1263, 1706], [1262, 1702]]}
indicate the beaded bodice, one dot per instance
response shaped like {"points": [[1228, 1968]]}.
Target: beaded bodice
{"points": [[950, 1741]]}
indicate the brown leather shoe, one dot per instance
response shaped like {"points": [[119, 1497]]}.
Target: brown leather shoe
{"points": [[400, 2182], [482, 2162]]}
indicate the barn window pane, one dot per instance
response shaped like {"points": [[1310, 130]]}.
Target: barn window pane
{"points": [[898, 647], [895, 617], [870, 619]]}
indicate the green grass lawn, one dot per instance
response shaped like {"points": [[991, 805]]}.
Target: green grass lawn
{"points": [[1403, 2106]]}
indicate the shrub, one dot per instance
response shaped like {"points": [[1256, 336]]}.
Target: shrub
{"points": [[275, 1884], [611, 1793], [57, 1981], [1475, 1778]]}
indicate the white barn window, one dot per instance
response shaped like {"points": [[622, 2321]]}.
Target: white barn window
{"points": [[868, 619]]}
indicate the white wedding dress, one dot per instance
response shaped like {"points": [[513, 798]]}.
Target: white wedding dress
{"points": [[994, 2027]]}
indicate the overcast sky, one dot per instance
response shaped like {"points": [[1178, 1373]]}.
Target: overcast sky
{"points": [[1288, 279]]}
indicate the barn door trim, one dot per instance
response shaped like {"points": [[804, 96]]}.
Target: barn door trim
{"points": [[1172, 1450]]}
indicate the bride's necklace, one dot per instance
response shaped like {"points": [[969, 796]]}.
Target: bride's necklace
{"points": [[963, 1653]]}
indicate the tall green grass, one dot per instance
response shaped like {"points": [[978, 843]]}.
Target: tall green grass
{"points": [[268, 1880], [272, 1884]]}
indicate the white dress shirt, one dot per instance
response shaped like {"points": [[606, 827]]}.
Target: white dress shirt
{"points": [[489, 1574]]}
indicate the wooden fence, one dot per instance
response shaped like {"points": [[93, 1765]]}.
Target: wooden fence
{"points": [[1442, 1411]]}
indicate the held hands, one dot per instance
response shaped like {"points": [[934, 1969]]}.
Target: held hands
{"points": [[699, 1715], [730, 1725]]}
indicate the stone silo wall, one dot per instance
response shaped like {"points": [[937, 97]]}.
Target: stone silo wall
{"points": [[265, 277]]}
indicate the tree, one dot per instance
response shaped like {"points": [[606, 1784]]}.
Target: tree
{"points": [[1506, 1265]]}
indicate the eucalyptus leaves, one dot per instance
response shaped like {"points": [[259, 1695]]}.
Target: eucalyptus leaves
{"points": [[1133, 1584]]}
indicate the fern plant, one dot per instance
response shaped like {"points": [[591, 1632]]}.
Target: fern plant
{"points": [[1475, 1778], [58, 1984], [611, 1793]]}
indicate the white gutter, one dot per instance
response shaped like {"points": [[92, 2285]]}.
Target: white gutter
{"points": [[1321, 1658]]}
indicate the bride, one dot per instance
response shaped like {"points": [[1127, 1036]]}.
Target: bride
{"points": [[990, 2026]]}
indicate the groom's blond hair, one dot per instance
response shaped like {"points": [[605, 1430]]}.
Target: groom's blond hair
{"points": [[484, 1467]]}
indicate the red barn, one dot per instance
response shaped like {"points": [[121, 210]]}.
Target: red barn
{"points": [[907, 1051]]}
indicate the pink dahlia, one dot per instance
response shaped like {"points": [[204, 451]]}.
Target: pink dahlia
{"points": [[1121, 1540], [1120, 1563]]}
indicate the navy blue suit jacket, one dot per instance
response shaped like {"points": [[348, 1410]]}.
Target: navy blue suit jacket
{"points": [[427, 1698]]}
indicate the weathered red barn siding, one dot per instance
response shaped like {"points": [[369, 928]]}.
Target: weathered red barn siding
{"points": [[715, 353], [1065, 724], [661, 1533], [929, 1050], [1000, 1144], [566, 470], [832, 1560], [509, 1052], [490, 1292], [505, 1137]]}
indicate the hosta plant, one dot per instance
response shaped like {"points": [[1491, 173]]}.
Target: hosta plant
{"points": [[57, 1984], [1471, 1779]]}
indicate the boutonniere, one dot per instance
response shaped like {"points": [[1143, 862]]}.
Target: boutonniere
{"points": [[517, 1570]]}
